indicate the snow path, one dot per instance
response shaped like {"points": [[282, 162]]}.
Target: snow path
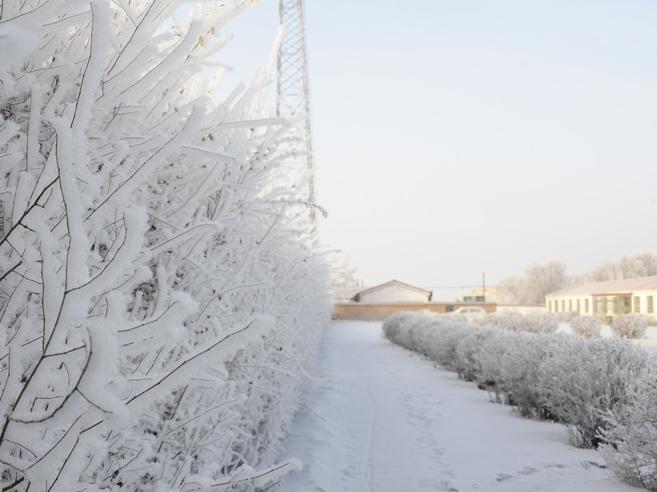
{"points": [[382, 419]]}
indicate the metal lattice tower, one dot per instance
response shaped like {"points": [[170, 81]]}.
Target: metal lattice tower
{"points": [[292, 101]]}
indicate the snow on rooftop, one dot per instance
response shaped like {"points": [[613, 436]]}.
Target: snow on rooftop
{"points": [[393, 283], [610, 287]]}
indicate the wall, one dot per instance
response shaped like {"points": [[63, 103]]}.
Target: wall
{"points": [[568, 300], [380, 311], [394, 293], [643, 295]]}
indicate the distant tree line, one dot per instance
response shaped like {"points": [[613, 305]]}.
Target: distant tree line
{"points": [[531, 286]]}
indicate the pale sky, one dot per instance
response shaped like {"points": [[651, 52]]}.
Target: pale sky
{"points": [[459, 136]]}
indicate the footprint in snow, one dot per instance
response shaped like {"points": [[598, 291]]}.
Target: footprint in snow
{"points": [[588, 464]]}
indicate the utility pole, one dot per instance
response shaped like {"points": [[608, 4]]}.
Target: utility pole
{"points": [[483, 285], [292, 96]]}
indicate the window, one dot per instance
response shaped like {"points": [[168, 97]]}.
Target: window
{"points": [[627, 308], [586, 305], [578, 306], [563, 305], [651, 307], [637, 304], [597, 306], [570, 305], [556, 306]]}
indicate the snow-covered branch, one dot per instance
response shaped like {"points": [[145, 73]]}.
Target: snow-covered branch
{"points": [[161, 291]]}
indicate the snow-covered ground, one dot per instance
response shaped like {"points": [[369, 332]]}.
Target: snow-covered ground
{"points": [[382, 419]]}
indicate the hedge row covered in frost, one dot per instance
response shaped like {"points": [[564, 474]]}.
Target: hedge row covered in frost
{"points": [[603, 390], [160, 291], [533, 322]]}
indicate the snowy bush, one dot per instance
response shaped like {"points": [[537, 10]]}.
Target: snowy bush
{"points": [[629, 326], [586, 326], [567, 316], [504, 320], [520, 372], [631, 437], [541, 323], [533, 322], [500, 361], [443, 344], [493, 349], [581, 380], [468, 353], [429, 334], [161, 291], [574, 380]]}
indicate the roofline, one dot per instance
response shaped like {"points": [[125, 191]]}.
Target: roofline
{"points": [[391, 282], [605, 287], [609, 293], [613, 293]]}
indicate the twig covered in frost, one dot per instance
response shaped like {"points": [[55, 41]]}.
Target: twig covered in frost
{"points": [[157, 320]]}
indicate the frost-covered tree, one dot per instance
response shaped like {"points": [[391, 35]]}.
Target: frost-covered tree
{"points": [[533, 284], [537, 280], [630, 266], [631, 439], [343, 276], [160, 288]]}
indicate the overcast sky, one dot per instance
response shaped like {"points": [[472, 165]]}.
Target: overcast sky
{"points": [[455, 136]]}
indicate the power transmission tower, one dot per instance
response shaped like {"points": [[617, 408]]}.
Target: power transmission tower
{"points": [[292, 95]]}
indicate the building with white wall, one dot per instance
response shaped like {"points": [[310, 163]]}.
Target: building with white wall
{"points": [[391, 292], [605, 300]]}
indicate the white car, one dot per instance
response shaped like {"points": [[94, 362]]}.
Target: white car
{"points": [[471, 312]]}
